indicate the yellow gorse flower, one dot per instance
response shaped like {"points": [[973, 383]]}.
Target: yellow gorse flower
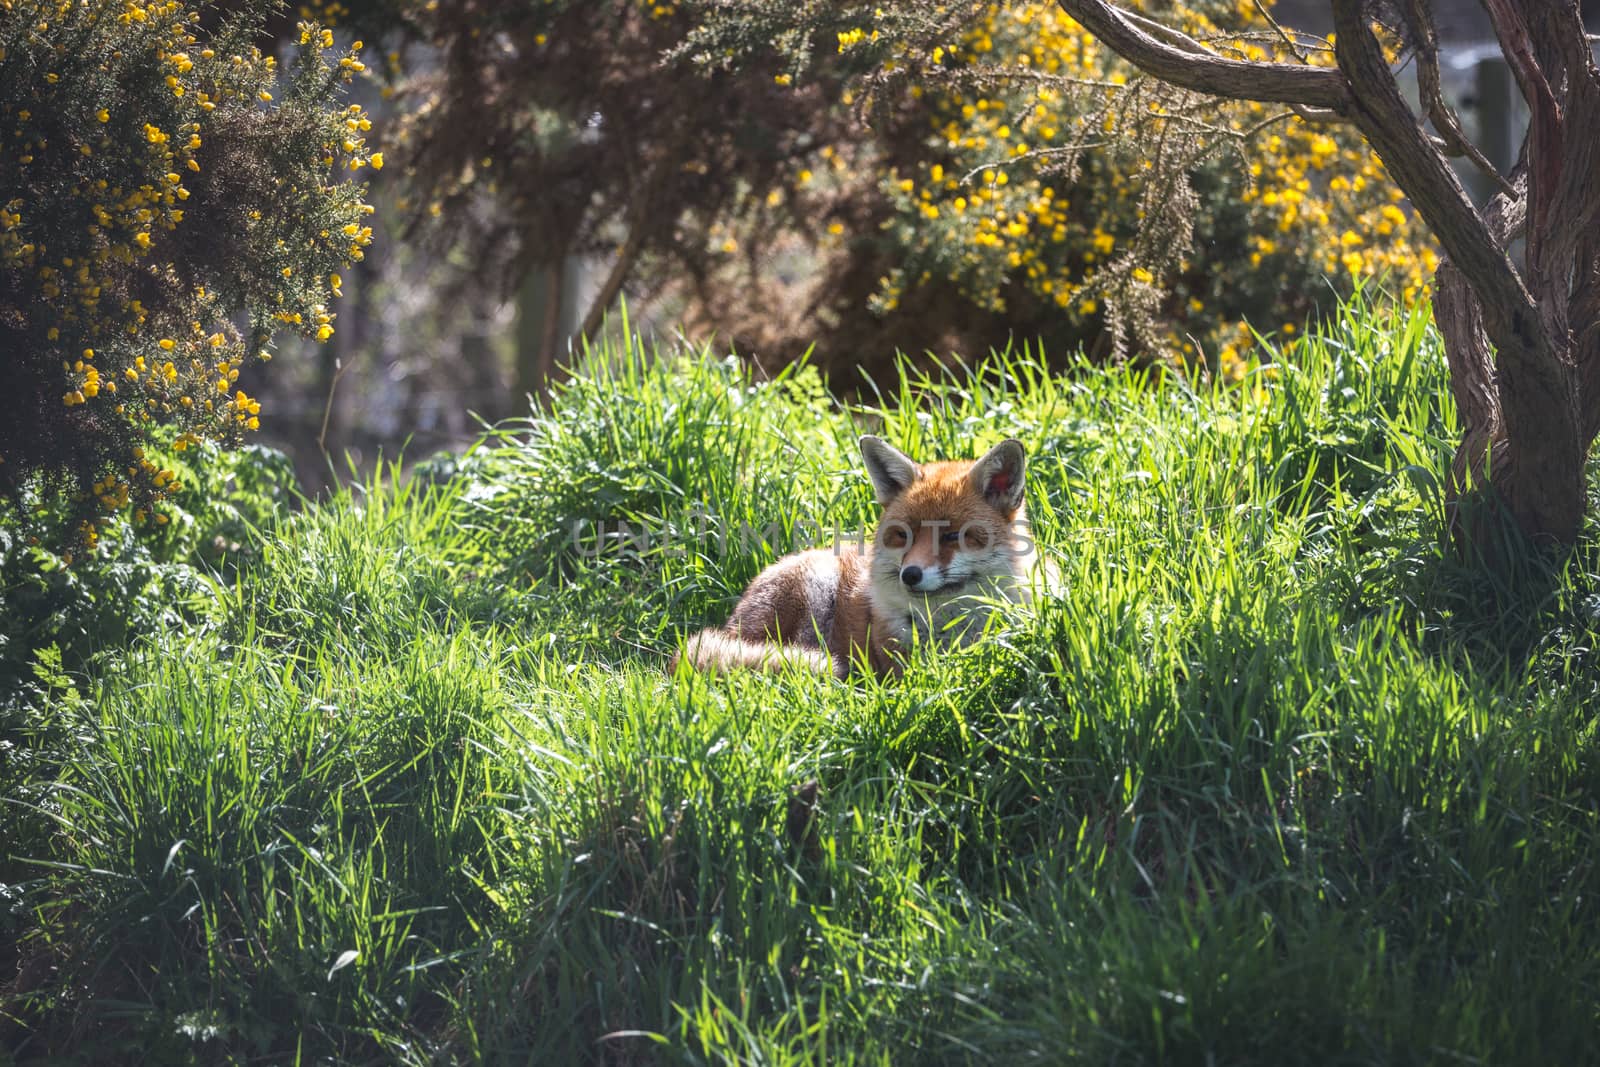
{"points": [[1014, 229]]}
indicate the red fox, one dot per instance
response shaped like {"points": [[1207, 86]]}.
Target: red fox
{"points": [[953, 540]]}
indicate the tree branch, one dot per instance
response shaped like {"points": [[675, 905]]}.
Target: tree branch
{"points": [[1317, 114], [1294, 45], [621, 267], [1545, 131], [1428, 180], [1190, 66], [1444, 120]]}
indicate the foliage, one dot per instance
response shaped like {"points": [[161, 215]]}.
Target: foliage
{"points": [[1043, 183], [892, 176], [1272, 781], [550, 129], [138, 580], [163, 183]]}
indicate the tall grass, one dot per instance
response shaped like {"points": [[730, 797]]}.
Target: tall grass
{"points": [[1273, 779]]}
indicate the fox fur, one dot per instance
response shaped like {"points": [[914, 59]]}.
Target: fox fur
{"points": [[951, 544]]}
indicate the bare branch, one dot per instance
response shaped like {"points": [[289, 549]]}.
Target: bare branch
{"points": [[1545, 131], [1294, 46], [1176, 38], [1190, 66], [1317, 114], [1444, 120], [1425, 176]]}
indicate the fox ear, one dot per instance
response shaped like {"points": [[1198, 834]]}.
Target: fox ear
{"points": [[891, 470], [998, 475]]}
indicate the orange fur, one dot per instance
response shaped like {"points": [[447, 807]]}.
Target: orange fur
{"points": [[951, 540]]}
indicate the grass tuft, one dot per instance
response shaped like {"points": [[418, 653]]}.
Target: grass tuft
{"points": [[1275, 778]]}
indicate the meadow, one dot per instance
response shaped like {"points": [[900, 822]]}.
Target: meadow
{"points": [[399, 776]]}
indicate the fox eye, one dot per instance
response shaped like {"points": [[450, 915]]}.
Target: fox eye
{"points": [[951, 537], [893, 537]]}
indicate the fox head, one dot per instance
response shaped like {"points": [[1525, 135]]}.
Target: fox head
{"points": [[948, 529]]}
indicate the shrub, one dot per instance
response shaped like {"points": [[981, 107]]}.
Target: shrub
{"points": [[1084, 196], [891, 176], [1025, 181], [162, 185], [136, 580]]}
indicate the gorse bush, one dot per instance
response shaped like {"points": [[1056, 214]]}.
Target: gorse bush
{"points": [[888, 177], [1080, 200], [162, 183], [139, 579], [1022, 180]]}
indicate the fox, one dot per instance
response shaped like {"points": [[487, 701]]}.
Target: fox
{"points": [[952, 546]]}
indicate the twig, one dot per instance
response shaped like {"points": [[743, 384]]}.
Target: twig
{"points": [[339, 367], [1290, 41], [1319, 115], [1444, 120]]}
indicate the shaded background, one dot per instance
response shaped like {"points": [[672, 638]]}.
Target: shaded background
{"points": [[427, 351]]}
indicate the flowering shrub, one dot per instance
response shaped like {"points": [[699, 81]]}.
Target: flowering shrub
{"points": [[1060, 185], [137, 580], [872, 177], [1024, 181], [170, 200]]}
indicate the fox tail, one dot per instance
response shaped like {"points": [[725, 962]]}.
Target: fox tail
{"points": [[718, 650]]}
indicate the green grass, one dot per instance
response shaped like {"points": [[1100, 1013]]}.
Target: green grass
{"points": [[1275, 779]]}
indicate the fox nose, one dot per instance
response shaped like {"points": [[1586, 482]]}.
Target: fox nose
{"points": [[911, 575]]}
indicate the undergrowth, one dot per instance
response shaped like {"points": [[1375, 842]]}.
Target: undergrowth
{"points": [[1274, 779]]}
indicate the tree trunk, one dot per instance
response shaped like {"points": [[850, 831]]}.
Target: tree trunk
{"points": [[539, 311], [1523, 347]]}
